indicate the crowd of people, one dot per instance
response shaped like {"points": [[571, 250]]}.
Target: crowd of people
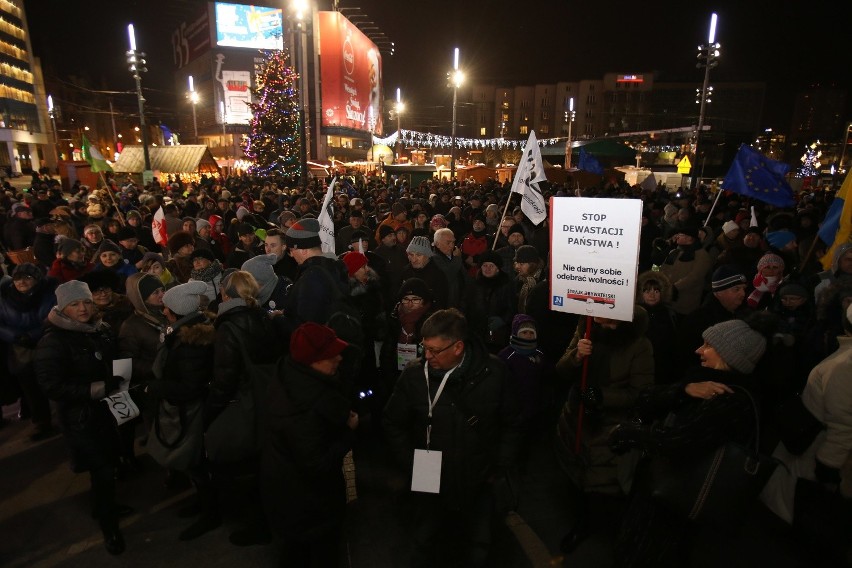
{"points": [[429, 326]]}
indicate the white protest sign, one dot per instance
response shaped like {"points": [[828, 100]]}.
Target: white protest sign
{"points": [[594, 246], [123, 368], [122, 407]]}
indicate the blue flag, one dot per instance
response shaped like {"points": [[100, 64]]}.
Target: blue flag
{"points": [[589, 163], [754, 175], [169, 139]]}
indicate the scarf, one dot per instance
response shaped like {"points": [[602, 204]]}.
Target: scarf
{"points": [[761, 286], [523, 346], [230, 305], [527, 283], [408, 322], [62, 321], [207, 274]]}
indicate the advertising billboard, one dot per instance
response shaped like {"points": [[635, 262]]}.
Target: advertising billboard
{"points": [[191, 39], [257, 27], [351, 75], [233, 71]]}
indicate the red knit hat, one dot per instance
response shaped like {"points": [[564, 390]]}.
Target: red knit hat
{"points": [[312, 342], [354, 261]]}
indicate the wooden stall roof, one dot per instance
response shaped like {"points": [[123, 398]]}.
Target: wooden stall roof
{"points": [[186, 158]]}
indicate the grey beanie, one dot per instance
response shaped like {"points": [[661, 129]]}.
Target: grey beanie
{"points": [[303, 234], [201, 223], [71, 291], [260, 267], [184, 299], [420, 245], [740, 346]]}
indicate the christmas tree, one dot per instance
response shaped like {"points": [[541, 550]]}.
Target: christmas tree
{"points": [[275, 138], [810, 162]]}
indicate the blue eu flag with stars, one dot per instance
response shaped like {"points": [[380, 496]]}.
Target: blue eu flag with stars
{"points": [[754, 175], [589, 163]]}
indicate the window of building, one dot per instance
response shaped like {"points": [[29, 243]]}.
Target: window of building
{"points": [[482, 131], [544, 129], [524, 130]]}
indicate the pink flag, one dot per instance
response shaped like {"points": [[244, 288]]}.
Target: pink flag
{"points": [[158, 228]]}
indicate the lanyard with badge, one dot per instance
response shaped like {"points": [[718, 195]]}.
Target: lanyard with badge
{"points": [[426, 474]]}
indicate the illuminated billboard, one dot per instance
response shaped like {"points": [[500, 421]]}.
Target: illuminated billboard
{"points": [[257, 27], [351, 75]]}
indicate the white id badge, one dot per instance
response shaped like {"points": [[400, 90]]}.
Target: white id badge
{"points": [[426, 476], [405, 353]]}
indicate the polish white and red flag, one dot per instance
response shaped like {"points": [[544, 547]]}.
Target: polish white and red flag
{"points": [[158, 228]]}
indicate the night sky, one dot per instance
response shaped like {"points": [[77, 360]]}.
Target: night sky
{"points": [[504, 43]]}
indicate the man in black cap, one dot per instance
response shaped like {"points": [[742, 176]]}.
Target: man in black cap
{"points": [[726, 302], [245, 246], [343, 237]]}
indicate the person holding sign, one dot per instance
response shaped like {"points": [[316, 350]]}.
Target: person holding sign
{"points": [[621, 362], [452, 423], [73, 365]]}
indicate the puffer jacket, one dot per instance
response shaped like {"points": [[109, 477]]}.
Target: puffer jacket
{"points": [[301, 472], [24, 314], [139, 335], [188, 352], [310, 297], [482, 388]]}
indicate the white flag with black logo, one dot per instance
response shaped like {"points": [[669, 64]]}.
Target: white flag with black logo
{"points": [[326, 219], [530, 173]]}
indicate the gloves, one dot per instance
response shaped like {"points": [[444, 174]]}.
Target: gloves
{"points": [[592, 398], [111, 384], [629, 435]]}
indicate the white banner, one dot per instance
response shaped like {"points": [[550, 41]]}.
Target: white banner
{"points": [[594, 246], [326, 219], [530, 173]]}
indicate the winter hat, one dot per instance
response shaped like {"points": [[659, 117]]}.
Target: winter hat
{"points": [[125, 233], [241, 212], [260, 267], [780, 239], [244, 229], [147, 284], [356, 213], [438, 221], [67, 245], [202, 253], [730, 226], [397, 208], [354, 261], [303, 234], [727, 276], [27, 269], [415, 287], [517, 228], [521, 345], [420, 245], [71, 291], [768, 259], [740, 346], [492, 257], [527, 253], [100, 279], [793, 289], [179, 240], [385, 230], [691, 230], [523, 321], [184, 299], [312, 342], [358, 235], [201, 223], [154, 257], [107, 246]]}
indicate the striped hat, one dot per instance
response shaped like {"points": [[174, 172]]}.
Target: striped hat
{"points": [[303, 234], [727, 276]]}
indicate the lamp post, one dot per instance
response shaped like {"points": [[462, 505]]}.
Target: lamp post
{"points": [[300, 8], [224, 133], [708, 57], [136, 59], [457, 79], [569, 116], [51, 112], [193, 98], [400, 106]]}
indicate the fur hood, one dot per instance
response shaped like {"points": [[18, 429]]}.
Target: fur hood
{"points": [[661, 278], [200, 334]]}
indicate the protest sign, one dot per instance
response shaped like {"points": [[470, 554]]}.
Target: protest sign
{"points": [[594, 246]]}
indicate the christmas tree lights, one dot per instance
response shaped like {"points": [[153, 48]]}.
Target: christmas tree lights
{"points": [[275, 138]]}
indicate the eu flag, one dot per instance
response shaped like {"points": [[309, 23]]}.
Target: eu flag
{"points": [[589, 163], [754, 175]]}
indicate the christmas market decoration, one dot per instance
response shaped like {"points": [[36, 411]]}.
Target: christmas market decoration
{"points": [[275, 138], [810, 161]]}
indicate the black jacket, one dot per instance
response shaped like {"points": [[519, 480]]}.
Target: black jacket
{"points": [[480, 391], [188, 360], [301, 472]]}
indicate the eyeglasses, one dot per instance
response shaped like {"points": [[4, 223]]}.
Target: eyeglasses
{"points": [[412, 300], [435, 352]]}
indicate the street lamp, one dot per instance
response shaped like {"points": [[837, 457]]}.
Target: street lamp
{"points": [[708, 57], [569, 117], [300, 9], [400, 106], [193, 98], [224, 125], [457, 79], [51, 112], [136, 59]]}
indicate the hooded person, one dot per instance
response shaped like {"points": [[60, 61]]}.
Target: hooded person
{"points": [[272, 288], [140, 333], [70, 262], [529, 366]]}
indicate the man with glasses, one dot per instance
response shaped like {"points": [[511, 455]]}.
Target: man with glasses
{"points": [[452, 424]]}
